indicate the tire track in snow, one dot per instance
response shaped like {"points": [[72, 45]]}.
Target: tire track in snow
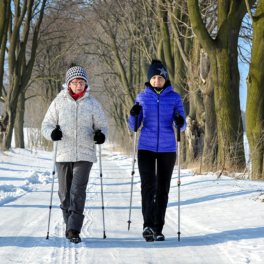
{"points": [[75, 253], [88, 224]]}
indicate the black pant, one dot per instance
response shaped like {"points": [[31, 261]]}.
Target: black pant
{"points": [[73, 179], [155, 188]]}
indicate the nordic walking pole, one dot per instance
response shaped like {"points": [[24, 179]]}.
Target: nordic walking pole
{"points": [[53, 174], [133, 167], [179, 174], [101, 178]]}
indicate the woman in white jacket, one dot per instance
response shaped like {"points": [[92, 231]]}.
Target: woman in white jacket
{"points": [[81, 124]]}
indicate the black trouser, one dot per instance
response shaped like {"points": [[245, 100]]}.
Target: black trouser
{"points": [[73, 178], [155, 188]]}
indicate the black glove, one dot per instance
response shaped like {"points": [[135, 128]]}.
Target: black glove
{"points": [[179, 121], [135, 110], [56, 134], [99, 137]]}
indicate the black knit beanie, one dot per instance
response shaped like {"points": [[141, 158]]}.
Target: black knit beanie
{"points": [[157, 68]]}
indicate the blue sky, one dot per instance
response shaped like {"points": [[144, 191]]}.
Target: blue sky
{"points": [[243, 69]]}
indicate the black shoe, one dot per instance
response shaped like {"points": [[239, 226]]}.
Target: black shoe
{"points": [[158, 236], [148, 234], [74, 237]]}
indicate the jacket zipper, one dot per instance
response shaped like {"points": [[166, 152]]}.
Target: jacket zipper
{"points": [[76, 116], [158, 124]]}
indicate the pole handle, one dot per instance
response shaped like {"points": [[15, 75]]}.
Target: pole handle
{"points": [[136, 121], [178, 129], [98, 131]]}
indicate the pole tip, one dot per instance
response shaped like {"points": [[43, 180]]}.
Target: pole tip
{"points": [[179, 234]]}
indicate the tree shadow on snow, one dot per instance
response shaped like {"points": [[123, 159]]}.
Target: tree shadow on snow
{"points": [[58, 207], [5, 169], [11, 179], [114, 183], [195, 182], [30, 205], [22, 165], [96, 242], [210, 198]]}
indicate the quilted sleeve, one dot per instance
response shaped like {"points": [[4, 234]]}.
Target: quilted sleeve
{"points": [[179, 108], [132, 119], [99, 119], [50, 121]]}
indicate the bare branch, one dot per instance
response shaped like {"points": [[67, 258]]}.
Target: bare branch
{"points": [[249, 11]]}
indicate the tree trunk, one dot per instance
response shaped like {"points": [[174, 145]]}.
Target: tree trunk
{"points": [[227, 105], [138, 71], [225, 76], [4, 19], [210, 133], [195, 123], [7, 121], [180, 78], [255, 99], [19, 122], [168, 56]]}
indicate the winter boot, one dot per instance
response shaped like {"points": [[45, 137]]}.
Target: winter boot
{"points": [[148, 234], [74, 237], [158, 236]]}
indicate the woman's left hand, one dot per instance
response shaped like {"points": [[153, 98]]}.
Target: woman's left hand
{"points": [[179, 121]]}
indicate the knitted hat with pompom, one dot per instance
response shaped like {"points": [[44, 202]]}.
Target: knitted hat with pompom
{"points": [[75, 72], [157, 68]]}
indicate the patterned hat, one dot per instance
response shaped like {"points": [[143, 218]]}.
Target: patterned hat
{"points": [[157, 68], [76, 72]]}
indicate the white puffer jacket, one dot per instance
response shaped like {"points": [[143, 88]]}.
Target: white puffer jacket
{"points": [[78, 121]]}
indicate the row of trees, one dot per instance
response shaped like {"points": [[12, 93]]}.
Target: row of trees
{"points": [[115, 40], [18, 51]]}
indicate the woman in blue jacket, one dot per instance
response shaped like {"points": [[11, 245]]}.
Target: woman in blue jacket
{"points": [[157, 110]]}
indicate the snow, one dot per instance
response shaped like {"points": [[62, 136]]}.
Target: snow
{"points": [[222, 220]]}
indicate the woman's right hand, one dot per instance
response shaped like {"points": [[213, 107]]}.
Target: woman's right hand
{"points": [[135, 110], [56, 134]]}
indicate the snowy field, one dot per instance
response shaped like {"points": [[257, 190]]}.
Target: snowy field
{"points": [[222, 220]]}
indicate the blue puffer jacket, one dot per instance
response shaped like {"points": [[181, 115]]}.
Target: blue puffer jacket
{"points": [[157, 133]]}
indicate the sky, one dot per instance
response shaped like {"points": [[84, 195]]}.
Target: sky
{"points": [[243, 69]]}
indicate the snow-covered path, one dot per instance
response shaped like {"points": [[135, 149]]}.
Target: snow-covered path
{"points": [[215, 229]]}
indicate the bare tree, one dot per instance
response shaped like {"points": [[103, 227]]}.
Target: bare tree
{"points": [[24, 16], [222, 50], [57, 49]]}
